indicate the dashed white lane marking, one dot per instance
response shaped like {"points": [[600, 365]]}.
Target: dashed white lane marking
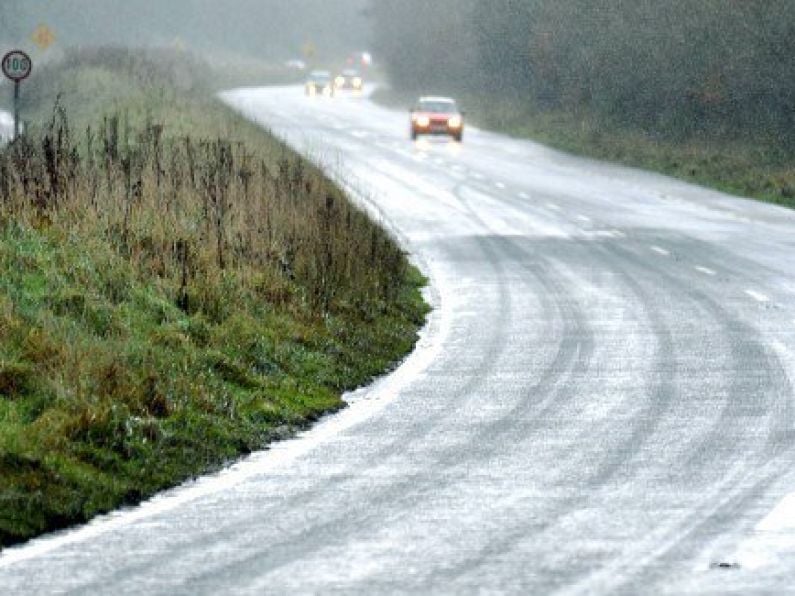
{"points": [[757, 296], [618, 233], [705, 270], [478, 176], [660, 251], [584, 218], [500, 185], [553, 207], [524, 195]]}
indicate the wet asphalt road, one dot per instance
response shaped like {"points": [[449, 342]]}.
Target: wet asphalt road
{"points": [[6, 126], [602, 401]]}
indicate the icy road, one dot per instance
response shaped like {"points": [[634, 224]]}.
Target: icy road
{"points": [[6, 126], [602, 401]]}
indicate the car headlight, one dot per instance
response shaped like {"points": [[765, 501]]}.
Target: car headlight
{"points": [[455, 122], [422, 121], [357, 82], [339, 81]]}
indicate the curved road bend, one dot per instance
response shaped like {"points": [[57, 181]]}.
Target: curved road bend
{"points": [[603, 403]]}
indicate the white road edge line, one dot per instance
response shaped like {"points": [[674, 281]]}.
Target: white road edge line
{"points": [[661, 251], [363, 404], [757, 296]]}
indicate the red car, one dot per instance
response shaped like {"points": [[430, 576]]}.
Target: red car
{"points": [[437, 116]]}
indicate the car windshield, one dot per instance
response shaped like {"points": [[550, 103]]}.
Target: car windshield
{"points": [[320, 77], [438, 106]]}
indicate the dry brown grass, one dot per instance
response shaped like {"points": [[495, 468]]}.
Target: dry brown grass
{"points": [[189, 210]]}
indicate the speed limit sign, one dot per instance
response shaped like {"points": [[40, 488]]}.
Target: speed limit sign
{"points": [[17, 65]]}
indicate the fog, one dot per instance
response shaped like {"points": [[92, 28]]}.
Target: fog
{"points": [[679, 68], [268, 29], [675, 68]]}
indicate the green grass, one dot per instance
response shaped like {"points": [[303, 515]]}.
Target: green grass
{"points": [[754, 168], [155, 325]]}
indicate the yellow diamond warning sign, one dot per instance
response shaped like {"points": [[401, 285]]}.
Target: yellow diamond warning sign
{"points": [[43, 37]]}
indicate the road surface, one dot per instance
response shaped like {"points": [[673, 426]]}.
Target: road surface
{"points": [[602, 401], [6, 126]]}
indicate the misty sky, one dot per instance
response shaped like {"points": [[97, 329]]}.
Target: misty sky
{"points": [[259, 28]]}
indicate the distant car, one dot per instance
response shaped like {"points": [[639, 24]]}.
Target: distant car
{"points": [[349, 80], [437, 116], [319, 83]]}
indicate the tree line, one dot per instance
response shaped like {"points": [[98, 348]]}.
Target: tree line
{"points": [[675, 68]]}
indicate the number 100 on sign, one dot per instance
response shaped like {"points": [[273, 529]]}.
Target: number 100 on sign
{"points": [[17, 65]]}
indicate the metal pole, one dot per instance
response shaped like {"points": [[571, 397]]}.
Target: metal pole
{"points": [[16, 110]]}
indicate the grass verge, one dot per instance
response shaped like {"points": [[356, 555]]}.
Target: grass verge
{"points": [[176, 289]]}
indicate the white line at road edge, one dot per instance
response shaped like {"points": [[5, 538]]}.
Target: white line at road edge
{"points": [[757, 296], [363, 403]]}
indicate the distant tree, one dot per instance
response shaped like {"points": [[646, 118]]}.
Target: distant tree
{"points": [[428, 45], [678, 67], [504, 31]]}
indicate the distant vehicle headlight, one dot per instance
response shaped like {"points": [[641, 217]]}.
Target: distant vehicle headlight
{"points": [[339, 81], [455, 122], [422, 121], [357, 82]]}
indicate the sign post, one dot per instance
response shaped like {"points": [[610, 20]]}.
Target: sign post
{"points": [[17, 66]]}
